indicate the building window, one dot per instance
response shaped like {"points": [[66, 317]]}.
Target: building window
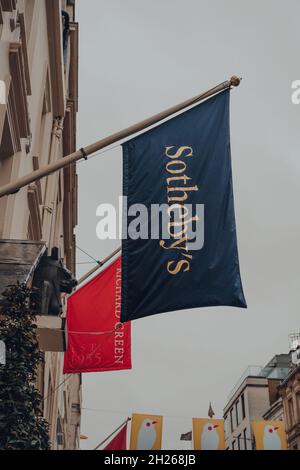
{"points": [[66, 33], [237, 413], [298, 403], [59, 433], [243, 406], [245, 438], [239, 442], [233, 445], [8, 145], [231, 419], [227, 425], [291, 412]]}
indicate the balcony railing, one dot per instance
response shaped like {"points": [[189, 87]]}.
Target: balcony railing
{"points": [[259, 371], [251, 371]]}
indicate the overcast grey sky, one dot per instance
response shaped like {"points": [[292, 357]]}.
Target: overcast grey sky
{"points": [[138, 57]]}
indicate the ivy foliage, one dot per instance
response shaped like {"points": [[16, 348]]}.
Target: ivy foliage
{"points": [[22, 425]]}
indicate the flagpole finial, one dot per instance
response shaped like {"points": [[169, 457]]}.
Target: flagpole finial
{"points": [[211, 412], [235, 81]]}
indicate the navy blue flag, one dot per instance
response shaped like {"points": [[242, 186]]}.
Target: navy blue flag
{"points": [[187, 256]]}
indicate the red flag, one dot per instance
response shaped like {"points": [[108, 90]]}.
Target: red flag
{"points": [[119, 441], [97, 341]]}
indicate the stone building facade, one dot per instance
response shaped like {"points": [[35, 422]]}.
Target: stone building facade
{"points": [[38, 106], [255, 394], [290, 392]]}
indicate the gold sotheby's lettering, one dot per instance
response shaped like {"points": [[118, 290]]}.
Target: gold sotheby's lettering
{"points": [[178, 192]]}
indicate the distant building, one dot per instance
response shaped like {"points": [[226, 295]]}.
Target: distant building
{"points": [[290, 392], [254, 394], [275, 411], [38, 106]]}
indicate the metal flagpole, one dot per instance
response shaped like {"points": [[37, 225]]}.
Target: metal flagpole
{"points": [[119, 427], [99, 265], [14, 187]]}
